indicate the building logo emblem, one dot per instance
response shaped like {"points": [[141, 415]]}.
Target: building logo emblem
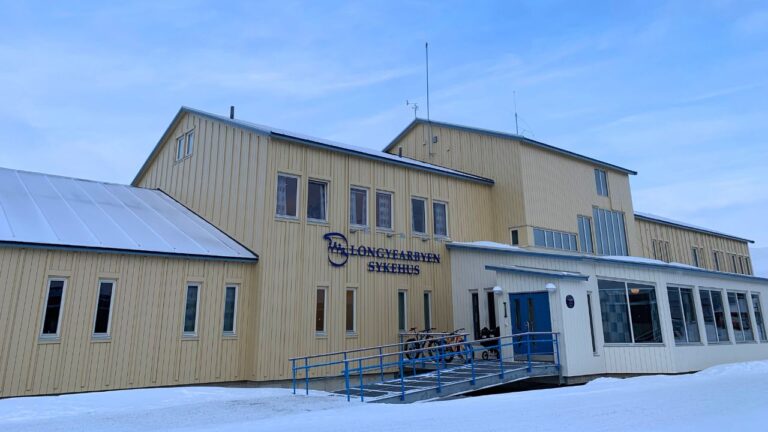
{"points": [[382, 260], [337, 248]]}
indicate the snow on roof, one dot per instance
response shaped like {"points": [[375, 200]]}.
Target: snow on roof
{"points": [[54, 211], [667, 221], [486, 245]]}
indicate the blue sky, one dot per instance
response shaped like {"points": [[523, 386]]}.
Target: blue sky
{"points": [[677, 91]]}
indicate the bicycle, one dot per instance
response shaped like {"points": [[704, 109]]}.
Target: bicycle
{"points": [[415, 346], [455, 348]]}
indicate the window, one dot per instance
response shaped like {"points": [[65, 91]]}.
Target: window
{"points": [[427, 310], [53, 308], [190, 310], [476, 314], [759, 322], [601, 182], [629, 312], [358, 207], [350, 320], [717, 260], [287, 195], [697, 255], [440, 216], [714, 315], [591, 323], [317, 201], [554, 239], [661, 250], [742, 326], [320, 311], [230, 309], [103, 318], [585, 234], [749, 265], [682, 307], [419, 215], [180, 148], [384, 210], [515, 237], [610, 237], [190, 143], [491, 303], [734, 267], [402, 311]]}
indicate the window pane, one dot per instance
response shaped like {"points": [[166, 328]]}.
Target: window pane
{"points": [[418, 217], [746, 322], [287, 192], [613, 309], [676, 311], [401, 311], [383, 210], [190, 312], [53, 307], [760, 324], [515, 238], [190, 143], [720, 318], [538, 237], [558, 240], [350, 309], [689, 312], [316, 200], [103, 305], [439, 213], [320, 311], [735, 318], [180, 148], [550, 237], [708, 316], [358, 207], [644, 313], [427, 310], [230, 298]]}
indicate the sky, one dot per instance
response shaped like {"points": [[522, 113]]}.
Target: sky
{"points": [[677, 91]]}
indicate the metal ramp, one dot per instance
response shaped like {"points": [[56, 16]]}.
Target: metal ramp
{"points": [[398, 373]]}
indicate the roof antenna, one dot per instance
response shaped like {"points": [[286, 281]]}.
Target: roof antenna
{"points": [[432, 138], [514, 98], [414, 106], [232, 112]]}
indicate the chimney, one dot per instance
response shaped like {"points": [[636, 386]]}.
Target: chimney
{"points": [[400, 151], [232, 112]]}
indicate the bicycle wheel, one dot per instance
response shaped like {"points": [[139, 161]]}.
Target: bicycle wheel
{"points": [[411, 345], [449, 354], [433, 349]]}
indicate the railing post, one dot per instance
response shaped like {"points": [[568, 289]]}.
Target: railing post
{"points": [[360, 371], [439, 385], [306, 376], [293, 373], [402, 378], [381, 364], [557, 349], [501, 357], [528, 341], [346, 375], [472, 362]]}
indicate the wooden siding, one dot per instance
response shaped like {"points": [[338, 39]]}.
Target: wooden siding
{"points": [[683, 240], [146, 347]]}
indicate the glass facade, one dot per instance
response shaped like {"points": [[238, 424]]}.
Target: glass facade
{"points": [[629, 312]]}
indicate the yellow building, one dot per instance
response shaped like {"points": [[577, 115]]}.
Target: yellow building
{"points": [[355, 246]]}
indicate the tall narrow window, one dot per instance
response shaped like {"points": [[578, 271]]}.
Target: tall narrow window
{"points": [[351, 306], [716, 260], [180, 148], [515, 237], [601, 182], [759, 322], [402, 311], [491, 304], [609, 232], [585, 234], [358, 207], [742, 325], [419, 215], [733, 264], [696, 256], [591, 323], [230, 309], [287, 195], [614, 310], [384, 210], [317, 201], [476, 314], [629, 312], [685, 326], [320, 311], [440, 215], [53, 308], [714, 316], [190, 143], [103, 318], [190, 310], [427, 310]]}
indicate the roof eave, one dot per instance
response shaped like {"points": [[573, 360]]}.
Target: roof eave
{"points": [[691, 228]]}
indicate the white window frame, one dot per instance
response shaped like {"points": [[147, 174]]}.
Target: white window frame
{"points": [[324, 331], [57, 335], [447, 231], [189, 149], [352, 332], [405, 310], [325, 204], [426, 218], [108, 334], [748, 300], [601, 182], [233, 332], [391, 228], [349, 209], [180, 147], [298, 195], [193, 333]]}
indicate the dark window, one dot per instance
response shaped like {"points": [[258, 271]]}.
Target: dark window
{"points": [[190, 310], [103, 308], [629, 312], [418, 215], [350, 311], [491, 300], [427, 310], [476, 314], [317, 200], [53, 306], [287, 195], [591, 322], [713, 315], [759, 322], [402, 311], [320, 311], [230, 308], [742, 325], [685, 326], [515, 238]]}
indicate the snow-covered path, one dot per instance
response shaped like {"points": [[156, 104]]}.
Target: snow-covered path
{"points": [[726, 397]]}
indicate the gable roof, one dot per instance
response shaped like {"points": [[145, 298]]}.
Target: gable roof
{"points": [[54, 212], [687, 226], [520, 138], [313, 142]]}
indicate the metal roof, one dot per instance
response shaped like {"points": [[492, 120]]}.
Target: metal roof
{"points": [[530, 271], [674, 223], [508, 136], [41, 210], [314, 142]]}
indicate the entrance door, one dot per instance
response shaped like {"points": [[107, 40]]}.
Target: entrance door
{"points": [[529, 312]]}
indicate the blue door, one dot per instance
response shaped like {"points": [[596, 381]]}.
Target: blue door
{"points": [[530, 313]]}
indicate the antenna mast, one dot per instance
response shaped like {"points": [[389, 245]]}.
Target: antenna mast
{"points": [[429, 122], [414, 106], [514, 98]]}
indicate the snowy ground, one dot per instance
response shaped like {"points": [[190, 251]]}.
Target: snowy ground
{"points": [[724, 398]]}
